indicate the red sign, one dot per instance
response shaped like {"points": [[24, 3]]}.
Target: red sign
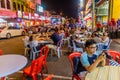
{"points": [[7, 13], [25, 15], [32, 16]]}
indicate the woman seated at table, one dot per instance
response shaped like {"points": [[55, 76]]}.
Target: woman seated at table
{"points": [[91, 58], [34, 41]]}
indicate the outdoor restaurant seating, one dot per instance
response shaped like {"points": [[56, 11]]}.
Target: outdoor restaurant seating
{"points": [[34, 69], [71, 58]]}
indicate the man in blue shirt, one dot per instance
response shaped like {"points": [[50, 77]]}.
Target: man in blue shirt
{"points": [[92, 58], [54, 36]]}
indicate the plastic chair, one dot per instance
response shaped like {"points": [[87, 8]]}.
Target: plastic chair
{"points": [[33, 51], [69, 44], [99, 46], [44, 51], [49, 77], [71, 57], [0, 52], [108, 46], [115, 55], [34, 69], [58, 48], [77, 49]]}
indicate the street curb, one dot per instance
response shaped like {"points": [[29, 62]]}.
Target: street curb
{"points": [[116, 42]]}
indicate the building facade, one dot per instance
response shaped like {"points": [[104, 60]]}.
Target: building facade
{"points": [[6, 4]]}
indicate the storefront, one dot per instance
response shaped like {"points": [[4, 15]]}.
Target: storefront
{"points": [[102, 13]]}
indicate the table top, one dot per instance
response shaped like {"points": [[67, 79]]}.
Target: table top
{"points": [[11, 63], [104, 73], [45, 41]]}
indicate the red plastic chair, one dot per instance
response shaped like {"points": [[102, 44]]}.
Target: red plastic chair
{"points": [[0, 52], [115, 55], [34, 69], [49, 77], [44, 51], [71, 56]]}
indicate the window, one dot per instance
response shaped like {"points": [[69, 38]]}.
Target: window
{"points": [[22, 7], [14, 6], [2, 3], [18, 6], [8, 4]]}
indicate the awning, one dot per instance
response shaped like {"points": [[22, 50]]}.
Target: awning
{"points": [[7, 13]]}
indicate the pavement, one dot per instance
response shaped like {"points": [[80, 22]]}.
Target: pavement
{"points": [[117, 40]]}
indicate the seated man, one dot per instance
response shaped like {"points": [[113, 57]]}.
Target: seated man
{"points": [[92, 58], [55, 37]]}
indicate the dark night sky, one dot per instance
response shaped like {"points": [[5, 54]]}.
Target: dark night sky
{"points": [[68, 7]]}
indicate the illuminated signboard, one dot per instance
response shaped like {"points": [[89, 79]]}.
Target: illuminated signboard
{"points": [[25, 15], [39, 8], [19, 14]]}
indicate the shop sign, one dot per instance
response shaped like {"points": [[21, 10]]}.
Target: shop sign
{"points": [[25, 15], [32, 16], [42, 18], [7, 14], [39, 8], [19, 14], [36, 16]]}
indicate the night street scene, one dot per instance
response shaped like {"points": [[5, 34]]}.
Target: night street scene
{"points": [[59, 39]]}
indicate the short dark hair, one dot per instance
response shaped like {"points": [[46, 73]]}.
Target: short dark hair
{"points": [[31, 38], [90, 42], [52, 29]]}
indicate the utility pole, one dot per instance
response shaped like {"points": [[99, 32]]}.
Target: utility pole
{"points": [[93, 15]]}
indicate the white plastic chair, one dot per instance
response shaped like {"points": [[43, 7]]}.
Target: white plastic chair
{"points": [[69, 44], [26, 48], [77, 49], [99, 46], [108, 46], [57, 49], [33, 51]]}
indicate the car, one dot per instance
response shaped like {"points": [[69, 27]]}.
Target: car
{"points": [[10, 31]]}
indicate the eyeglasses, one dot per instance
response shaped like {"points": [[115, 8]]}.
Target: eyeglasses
{"points": [[92, 47]]}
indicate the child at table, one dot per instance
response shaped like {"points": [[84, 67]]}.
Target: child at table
{"points": [[91, 58]]}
